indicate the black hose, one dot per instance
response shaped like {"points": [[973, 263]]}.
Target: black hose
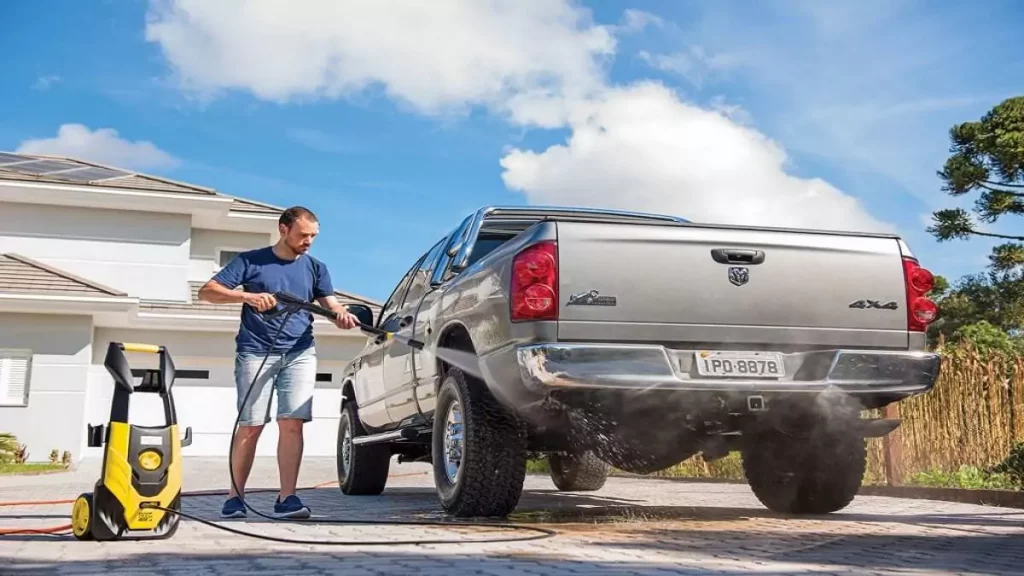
{"points": [[543, 532]]}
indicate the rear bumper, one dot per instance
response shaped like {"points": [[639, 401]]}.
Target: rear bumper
{"points": [[549, 366]]}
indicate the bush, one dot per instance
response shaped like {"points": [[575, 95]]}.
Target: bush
{"points": [[10, 451], [969, 477], [1013, 466], [8, 448], [988, 340]]}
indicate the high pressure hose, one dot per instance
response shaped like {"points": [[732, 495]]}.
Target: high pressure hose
{"points": [[292, 304]]}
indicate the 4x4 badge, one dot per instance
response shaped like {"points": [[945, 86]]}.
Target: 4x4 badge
{"points": [[864, 304]]}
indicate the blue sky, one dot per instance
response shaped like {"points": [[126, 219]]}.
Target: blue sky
{"points": [[392, 126]]}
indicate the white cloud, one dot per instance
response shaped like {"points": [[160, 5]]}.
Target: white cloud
{"points": [[103, 145], [45, 82], [694, 64], [641, 148], [437, 57], [537, 62], [637, 20]]}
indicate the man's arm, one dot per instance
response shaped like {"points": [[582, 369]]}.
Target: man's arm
{"points": [[346, 320], [323, 291], [220, 288], [216, 293]]}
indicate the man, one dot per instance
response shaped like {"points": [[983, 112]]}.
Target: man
{"points": [[282, 267]]}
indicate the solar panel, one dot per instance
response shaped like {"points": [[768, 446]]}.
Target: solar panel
{"points": [[89, 174], [6, 158], [68, 170], [41, 166]]}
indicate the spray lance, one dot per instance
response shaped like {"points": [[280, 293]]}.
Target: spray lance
{"points": [[293, 304]]}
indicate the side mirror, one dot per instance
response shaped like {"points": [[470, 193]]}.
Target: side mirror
{"points": [[361, 311]]}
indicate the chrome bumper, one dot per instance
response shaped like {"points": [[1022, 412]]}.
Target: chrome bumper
{"points": [[641, 367]]}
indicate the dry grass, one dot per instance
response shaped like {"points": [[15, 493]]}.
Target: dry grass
{"points": [[972, 417]]}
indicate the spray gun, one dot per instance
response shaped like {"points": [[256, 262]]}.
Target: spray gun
{"points": [[293, 303]]}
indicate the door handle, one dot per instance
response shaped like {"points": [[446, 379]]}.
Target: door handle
{"points": [[737, 256]]}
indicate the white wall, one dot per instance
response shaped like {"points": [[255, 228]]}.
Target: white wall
{"points": [[142, 253], [203, 251], [61, 347], [209, 406]]}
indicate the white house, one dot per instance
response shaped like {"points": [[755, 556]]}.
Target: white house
{"points": [[91, 254]]}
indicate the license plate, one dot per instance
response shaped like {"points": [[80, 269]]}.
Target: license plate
{"points": [[740, 364]]}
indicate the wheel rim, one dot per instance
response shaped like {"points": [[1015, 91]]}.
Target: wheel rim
{"points": [[346, 448], [80, 516], [453, 441]]}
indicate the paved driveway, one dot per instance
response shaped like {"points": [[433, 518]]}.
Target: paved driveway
{"points": [[632, 526]]}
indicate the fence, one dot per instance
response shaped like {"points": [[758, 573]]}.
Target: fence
{"points": [[972, 417]]}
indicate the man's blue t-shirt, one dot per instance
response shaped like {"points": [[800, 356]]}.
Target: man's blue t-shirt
{"points": [[261, 270]]}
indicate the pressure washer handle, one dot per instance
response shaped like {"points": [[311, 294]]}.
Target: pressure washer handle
{"points": [[295, 302]]}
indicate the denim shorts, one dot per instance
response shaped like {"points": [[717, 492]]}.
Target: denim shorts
{"points": [[294, 375]]}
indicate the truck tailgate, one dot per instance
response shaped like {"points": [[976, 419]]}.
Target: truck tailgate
{"points": [[729, 287]]}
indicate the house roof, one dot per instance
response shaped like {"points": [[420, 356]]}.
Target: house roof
{"points": [[63, 170], [200, 308], [21, 275]]}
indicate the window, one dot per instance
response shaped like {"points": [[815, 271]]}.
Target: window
{"points": [[224, 256], [324, 377], [484, 245], [396, 298], [422, 277], [15, 369]]}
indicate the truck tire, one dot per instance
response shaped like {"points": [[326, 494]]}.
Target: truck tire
{"points": [[818, 474], [362, 470], [582, 472], [479, 450]]}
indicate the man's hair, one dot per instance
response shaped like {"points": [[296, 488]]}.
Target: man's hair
{"points": [[289, 216]]}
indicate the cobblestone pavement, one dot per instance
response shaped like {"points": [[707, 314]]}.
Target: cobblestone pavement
{"points": [[631, 526]]}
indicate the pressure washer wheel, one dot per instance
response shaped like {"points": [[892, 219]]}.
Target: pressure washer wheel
{"points": [[81, 517], [479, 450], [362, 470]]}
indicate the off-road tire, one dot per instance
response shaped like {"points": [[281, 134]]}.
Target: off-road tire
{"points": [[368, 473], [583, 472], [491, 473], [819, 474]]}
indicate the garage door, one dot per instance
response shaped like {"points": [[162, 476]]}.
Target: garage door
{"points": [[204, 393]]}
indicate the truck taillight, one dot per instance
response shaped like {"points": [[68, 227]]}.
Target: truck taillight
{"points": [[535, 282], [921, 311]]}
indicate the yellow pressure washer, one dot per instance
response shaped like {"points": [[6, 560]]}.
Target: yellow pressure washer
{"points": [[138, 494]]}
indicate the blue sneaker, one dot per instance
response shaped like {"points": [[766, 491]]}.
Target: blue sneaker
{"points": [[292, 507], [233, 508]]}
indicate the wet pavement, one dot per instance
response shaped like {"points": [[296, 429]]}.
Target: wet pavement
{"points": [[631, 526]]}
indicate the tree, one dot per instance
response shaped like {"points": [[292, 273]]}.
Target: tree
{"points": [[987, 156]]}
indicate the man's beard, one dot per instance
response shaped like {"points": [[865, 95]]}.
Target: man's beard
{"points": [[297, 249]]}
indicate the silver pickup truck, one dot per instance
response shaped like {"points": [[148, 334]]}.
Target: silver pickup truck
{"points": [[599, 338]]}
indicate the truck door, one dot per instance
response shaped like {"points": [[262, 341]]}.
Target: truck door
{"points": [[398, 356], [371, 371]]}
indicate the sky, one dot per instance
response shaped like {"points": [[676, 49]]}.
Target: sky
{"points": [[394, 120]]}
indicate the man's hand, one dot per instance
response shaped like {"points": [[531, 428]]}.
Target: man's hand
{"points": [[261, 301], [346, 320]]}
